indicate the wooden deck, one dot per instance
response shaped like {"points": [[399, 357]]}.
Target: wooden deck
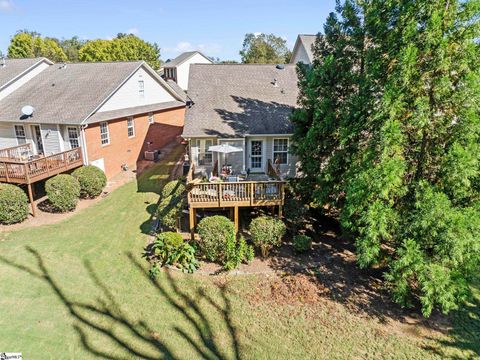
{"points": [[233, 195], [19, 167]]}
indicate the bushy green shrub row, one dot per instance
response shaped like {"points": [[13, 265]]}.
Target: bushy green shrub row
{"points": [[173, 188], [13, 204], [92, 180], [63, 191], [267, 232], [218, 242]]}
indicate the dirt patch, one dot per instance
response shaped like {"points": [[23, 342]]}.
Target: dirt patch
{"points": [[290, 289]]}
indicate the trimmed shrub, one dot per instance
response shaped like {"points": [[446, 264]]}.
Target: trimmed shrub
{"points": [[215, 232], [170, 249], [173, 188], [169, 210], [267, 232], [63, 191], [13, 204], [302, 243], [92, 180]]}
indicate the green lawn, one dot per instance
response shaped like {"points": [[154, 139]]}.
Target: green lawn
{"points": [[79, 290]]}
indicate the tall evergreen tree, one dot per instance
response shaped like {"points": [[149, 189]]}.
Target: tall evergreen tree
{"points": [[388, 134]]}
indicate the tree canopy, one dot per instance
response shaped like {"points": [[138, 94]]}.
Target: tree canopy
{"points": [[388, 134], [264, 49], [125, 47], [26, 44]]}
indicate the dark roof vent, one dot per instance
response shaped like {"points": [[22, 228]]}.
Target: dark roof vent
{"points": [[280, 66]]}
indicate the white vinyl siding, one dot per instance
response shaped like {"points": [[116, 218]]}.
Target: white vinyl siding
{"points": [[127, 95], [20, 134], [104, 133], [183, 70], [141, 88], [130, 127], [51, 139]]}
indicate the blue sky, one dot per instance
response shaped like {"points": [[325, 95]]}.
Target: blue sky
{"points": [[213, 26]]}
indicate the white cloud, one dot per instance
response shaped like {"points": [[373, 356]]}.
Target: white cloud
{"points": [[257, 33], [133, 31], [6, 5], [183, 46]]}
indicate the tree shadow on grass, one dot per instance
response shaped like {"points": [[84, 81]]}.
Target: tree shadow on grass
{"points": [[465, 333], [106, 319]]}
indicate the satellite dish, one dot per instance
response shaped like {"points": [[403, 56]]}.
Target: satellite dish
{"points": [[27, 110]]}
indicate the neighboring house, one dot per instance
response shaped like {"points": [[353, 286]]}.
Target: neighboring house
{"points": [[107, 114], [178, 69], [16, 72], [302, 51], [245, 106]]}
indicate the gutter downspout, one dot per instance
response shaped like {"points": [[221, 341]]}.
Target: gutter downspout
{"points": [[84, 144]]}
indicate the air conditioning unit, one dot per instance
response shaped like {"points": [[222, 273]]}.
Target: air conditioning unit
{"points": [[151, 155]]}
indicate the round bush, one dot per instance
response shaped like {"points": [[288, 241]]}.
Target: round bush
{"points": [[63, 191], [173, 188], [302, 243], [267, 232], [92, 180], [13, 204], [215, 232]]}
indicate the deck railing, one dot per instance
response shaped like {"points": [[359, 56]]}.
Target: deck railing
{"points": [[29, 171], [18, 152], [242, 193]]}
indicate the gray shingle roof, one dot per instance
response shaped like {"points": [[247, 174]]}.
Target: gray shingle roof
{"points": [[178, 90], [68, 95], [121, 113], [15, 67], [237, 100], [181, 58]]}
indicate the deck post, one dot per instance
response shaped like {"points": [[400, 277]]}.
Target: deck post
{"points": [[30, 196], [191, 222], [235, 217], [280, 210]]}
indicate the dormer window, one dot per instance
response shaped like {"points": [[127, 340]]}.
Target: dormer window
{"points": [[141, 88]]}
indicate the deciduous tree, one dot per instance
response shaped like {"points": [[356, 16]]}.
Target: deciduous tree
{"points": [[264, 49]]}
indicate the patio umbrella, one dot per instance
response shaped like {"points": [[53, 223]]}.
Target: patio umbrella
{"points": [[224, 149]]}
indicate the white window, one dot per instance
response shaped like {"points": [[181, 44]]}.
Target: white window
{"points": [[280, 151], [73, 137], [20, 134], [130, 127], [141, 88], [205, 157], [104, 134], [151, 120]]}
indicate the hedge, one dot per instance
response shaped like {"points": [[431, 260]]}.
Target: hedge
{"points": [[215, 232], [92, 180], [13, 204], [63, 191]]}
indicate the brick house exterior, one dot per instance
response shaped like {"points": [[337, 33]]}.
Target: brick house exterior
{"points": [[122, 149]]}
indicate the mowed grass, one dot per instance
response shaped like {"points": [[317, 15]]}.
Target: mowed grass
{"points": [[80, 289]]}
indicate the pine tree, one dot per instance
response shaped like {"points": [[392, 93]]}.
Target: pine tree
{"points": [[391, 140]]}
